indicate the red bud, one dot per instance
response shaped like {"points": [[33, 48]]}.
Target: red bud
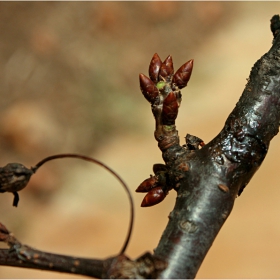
{"points": [[148, 88], [183, 74], [154, 67], [170, 109], [166, 69], [153, 197], [147, 184]]}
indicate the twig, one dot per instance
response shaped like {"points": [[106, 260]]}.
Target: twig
{"points": [[24, 256], [86, 158], [120, 266]]}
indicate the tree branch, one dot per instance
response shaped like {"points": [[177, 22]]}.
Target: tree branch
{"points": [[214, 175], [21, 255], [207, 178], [120, 266]]}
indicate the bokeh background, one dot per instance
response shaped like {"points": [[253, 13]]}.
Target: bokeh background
{"points": [[69, 83]]}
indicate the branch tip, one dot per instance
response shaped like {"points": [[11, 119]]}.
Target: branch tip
{"points": [[275, 25]]}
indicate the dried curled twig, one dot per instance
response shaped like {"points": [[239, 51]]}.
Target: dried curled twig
{"points": [[15, 177]]}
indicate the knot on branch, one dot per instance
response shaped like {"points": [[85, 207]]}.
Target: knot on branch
{"points": [[166, 142]]}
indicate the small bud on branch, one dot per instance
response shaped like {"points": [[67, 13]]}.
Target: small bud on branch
{"points": [[154, 68], [183, 74], [170, 109], [147, 184], [148, 88], [153, 197], [166, 70]]}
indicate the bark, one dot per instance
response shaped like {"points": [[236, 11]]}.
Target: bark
{"points": [[207, 180]]}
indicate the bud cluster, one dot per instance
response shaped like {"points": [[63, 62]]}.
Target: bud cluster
{"points": [[155, 186], [162, 89]]}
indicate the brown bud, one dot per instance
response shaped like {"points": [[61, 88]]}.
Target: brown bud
{"points": [[147, 184], [183, 74], [159, 167], [153, 197], [170, 109], [166, 69], [148, 88], [154, 67]]}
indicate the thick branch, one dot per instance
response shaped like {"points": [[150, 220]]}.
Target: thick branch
{"points": [[219, 171]]}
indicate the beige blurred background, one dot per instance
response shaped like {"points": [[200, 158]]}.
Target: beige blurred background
{"points": [[69, 83]]}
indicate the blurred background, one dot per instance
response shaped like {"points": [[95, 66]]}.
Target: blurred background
{"points": [[69, 83]]}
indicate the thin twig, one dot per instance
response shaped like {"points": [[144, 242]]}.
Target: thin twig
{"points": [[86, 158]]}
